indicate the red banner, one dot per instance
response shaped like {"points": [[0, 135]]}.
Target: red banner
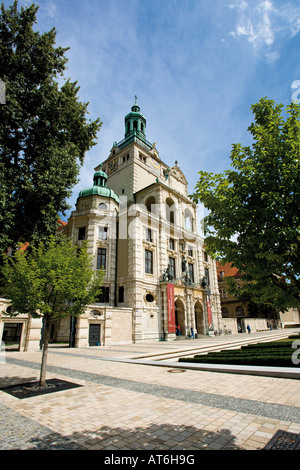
{"points": [[171, 308], [209, 314]]}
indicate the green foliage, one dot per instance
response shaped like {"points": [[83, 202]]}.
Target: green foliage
{"points": [[253, 219], [285, 361], [273, 354], [52, 280], [44, 132]]}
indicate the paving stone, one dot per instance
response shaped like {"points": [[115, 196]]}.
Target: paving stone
{"points": [[123, 406]]}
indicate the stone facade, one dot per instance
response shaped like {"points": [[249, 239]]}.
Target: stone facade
{"points": [[19, 332], [141, 228], [145, 234]]}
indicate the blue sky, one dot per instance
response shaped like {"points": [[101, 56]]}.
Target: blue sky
{"points": [[196, 67]]}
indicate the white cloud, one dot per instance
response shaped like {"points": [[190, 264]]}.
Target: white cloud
{"points": [[262, 24], [47, 8], [272, 56], [50, 9], [255, 23]]}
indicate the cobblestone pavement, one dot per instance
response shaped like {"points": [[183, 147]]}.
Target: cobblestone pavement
{"points": [[134, 406]]}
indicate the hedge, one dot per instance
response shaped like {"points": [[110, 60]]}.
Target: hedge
{"points": [[267, 354], [253, 361], [275, 353], [273, 344]]}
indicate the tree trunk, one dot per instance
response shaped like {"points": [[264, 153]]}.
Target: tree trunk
{"points": [[45, 351]]}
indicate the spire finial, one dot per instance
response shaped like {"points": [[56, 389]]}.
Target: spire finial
{"points": [[135, 97]]}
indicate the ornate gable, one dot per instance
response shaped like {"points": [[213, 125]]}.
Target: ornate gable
{"points": [[176, 173]]}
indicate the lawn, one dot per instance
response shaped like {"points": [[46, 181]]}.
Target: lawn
{"points": [[279, 353]]}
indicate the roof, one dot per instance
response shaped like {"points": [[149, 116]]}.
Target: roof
{"points": [[228, 269], [99, 187], [62, 224], [100, 191]]}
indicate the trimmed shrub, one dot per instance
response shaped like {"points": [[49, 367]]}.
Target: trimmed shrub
{"points": [[254, 361], [273, 344], [273, 354]]}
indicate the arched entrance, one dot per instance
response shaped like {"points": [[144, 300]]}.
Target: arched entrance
{"points": [[241, 325], [180, 316], [199, 318]]}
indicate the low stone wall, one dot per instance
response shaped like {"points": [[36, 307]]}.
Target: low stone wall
{"points": [[230, 324]]}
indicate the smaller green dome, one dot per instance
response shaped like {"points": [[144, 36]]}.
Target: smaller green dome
{"points": [[99, 188], [99, 191], [100, 173]]}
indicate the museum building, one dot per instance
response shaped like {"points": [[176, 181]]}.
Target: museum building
{"points": [[142, 231]]}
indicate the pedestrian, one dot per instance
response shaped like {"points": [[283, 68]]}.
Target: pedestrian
{"points": [[192, 333], [249, 329], [178, 330]]}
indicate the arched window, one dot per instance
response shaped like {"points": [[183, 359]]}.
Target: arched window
{"points": [[151, 204], [239, 311], [225, 312], [170, 210], [188, 219], [102, 206], [223, 293]]}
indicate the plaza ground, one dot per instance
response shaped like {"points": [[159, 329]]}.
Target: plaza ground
{"points": [[138, 397]]}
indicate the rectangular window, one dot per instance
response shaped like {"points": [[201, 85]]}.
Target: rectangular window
{"points": [[190, 251], [148, 262], [191, 272], [104, 295], [172, 267], [121, 294], [81, 233], [103, 233], [171, 244], [148, 235], [101, 258], [207, 276]]}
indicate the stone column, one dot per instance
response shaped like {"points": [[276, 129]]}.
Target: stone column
{"points": [[33, 335], [82, 333]]}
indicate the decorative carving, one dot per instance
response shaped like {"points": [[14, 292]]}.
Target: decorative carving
{"points": [[167, 276], [176, 173], [96, 314]]}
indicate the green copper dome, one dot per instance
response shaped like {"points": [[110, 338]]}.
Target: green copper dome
{"points": [[135, 122], [99, 188]]}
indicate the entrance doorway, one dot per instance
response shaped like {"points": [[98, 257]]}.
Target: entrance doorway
{"points": [[94, 334], [241, 325], [180, 317], [199, 318], [11, 337]]}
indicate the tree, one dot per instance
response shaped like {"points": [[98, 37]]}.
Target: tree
{"points": [[44, 132], [253, 208], [52, 281]]}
